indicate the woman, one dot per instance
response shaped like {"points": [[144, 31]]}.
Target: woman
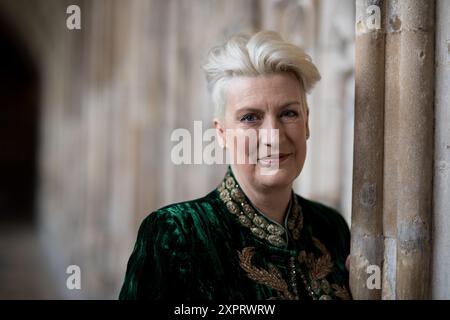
{"points": [[252, 237]]}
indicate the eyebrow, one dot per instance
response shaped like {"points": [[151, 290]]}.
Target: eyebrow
{"points": [[256, 109]]}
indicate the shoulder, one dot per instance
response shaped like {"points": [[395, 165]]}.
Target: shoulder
{"points": [[164, 250], [182, 210], [185, 210], [326, 223], [179, 218], [322, 213]]}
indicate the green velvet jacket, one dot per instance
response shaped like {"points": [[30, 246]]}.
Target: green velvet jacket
{"points": [[220, 247]]}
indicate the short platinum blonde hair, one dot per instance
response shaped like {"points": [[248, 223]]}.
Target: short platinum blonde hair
{"points": [[262, 53]]}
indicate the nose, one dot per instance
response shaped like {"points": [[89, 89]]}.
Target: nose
{"points": [[271, 132]]}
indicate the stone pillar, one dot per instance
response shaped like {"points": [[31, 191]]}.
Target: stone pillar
{"points": [[441, 204], [392, 189], [367, 205], [391, 159], [412, 82]]}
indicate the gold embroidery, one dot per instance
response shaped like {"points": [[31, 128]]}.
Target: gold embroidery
{"points": [[319, 268], [232, 207], [225, 196], [341, 292], [237, 204], [229, 182], [271, 278], [245, 221], [318, 287], [259, 221], [276, 230], [237, 196], [275, 239], [260, 233], [295, 223], [248, 210]]}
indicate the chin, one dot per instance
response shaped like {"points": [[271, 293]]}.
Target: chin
{"points": [[282, 177]]}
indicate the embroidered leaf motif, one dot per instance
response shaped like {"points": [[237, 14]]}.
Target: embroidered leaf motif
{"points": [[322, 266], [271, 278], [341, 292], [319, 268]]}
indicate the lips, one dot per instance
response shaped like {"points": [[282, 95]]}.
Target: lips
{"points": [[274, 158]]}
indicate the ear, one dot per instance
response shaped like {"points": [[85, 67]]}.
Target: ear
{"points": [[220, 132]]}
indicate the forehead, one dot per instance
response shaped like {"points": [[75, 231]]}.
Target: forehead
{"points": [[263, 90]]}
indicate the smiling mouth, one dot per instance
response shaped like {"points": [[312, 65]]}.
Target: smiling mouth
{"points": [[274, 158]]}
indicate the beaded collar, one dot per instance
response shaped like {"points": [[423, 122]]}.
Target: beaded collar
{"points": [[239, 205]]}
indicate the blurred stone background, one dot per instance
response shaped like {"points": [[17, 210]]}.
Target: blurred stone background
{"points": [[86, 117]]}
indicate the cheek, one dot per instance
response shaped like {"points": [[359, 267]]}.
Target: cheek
{"points": [[243, 146], [297, 136]]}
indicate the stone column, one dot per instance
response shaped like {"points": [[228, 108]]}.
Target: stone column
{"points": [[412, 80], [441, 203], [393, 148], [367, 205]]}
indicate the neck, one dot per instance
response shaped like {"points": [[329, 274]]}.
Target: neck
{"points": [[273, 202]]}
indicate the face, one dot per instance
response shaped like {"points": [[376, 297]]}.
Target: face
{"points": [[265, 102]]}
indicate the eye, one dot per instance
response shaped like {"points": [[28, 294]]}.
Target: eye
{"points": [[289, 114], [250, 117]]}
